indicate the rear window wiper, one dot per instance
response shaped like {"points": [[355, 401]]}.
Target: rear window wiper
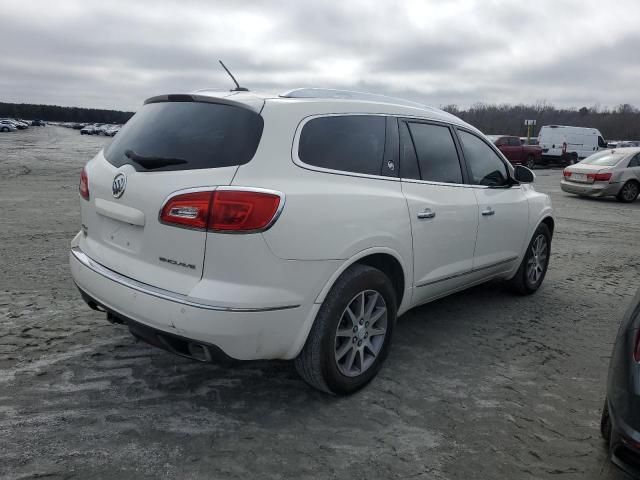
{"points": [[153, 162]]}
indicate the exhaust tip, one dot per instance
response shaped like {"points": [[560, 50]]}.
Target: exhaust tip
{"points": [[199, 352]]}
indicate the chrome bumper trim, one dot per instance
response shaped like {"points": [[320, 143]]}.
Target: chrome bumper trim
{"points": [[161, 293]]}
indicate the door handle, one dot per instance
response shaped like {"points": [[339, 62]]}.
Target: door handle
{"points": [[427, 213], [488, 211]]}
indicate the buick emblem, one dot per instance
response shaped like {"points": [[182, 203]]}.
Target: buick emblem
{"points": [[118, 185]]}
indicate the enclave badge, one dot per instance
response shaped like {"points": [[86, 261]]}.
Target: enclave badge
{"points": [[118, 185]]}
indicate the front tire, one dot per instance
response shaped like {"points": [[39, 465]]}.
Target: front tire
{"points": [[351, 335], [629, 192], [533, 268], [5, 129]]}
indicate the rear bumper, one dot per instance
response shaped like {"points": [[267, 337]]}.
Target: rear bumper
{"points": [[244, 333], [185, 347], [598, 189]]}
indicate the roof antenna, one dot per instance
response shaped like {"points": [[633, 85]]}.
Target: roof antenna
{"points": [[238, 87]]}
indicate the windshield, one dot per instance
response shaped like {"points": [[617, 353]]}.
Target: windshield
{"points": [[186, 136], [606, 159]]}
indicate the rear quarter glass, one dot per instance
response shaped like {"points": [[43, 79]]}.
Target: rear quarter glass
{"points": [[192, 135]]}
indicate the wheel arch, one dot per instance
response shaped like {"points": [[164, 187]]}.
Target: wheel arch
{"points": [[384, 259], [550, 223]]}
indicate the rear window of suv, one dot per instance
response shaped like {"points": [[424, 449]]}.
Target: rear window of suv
{"points": [[351, 143], [186, 136]]}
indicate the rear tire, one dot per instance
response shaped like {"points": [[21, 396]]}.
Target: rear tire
{"points": [[345, 348], [531, 162], [629, 192], [535, 263], [5, 129]]}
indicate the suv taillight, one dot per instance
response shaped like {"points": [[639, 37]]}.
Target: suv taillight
{"points": [[84, 184], [224, 210], [599, 177], [190, 210]]}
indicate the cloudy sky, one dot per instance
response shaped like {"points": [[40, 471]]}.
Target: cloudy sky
{"points": [[114, 54]]}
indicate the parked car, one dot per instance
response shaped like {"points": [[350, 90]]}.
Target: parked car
{"points": [[18, 125], [112, 130], [568, 145], [620, 422], [38, 123], [103, 129], [7, 126], [78, 126], [611, 173], [517, 153], [627, 144], [312, 251], [91, 129], [529, 141]]}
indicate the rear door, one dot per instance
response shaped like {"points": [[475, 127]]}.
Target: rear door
{"points": [[443, 210], [633, 169], [166, 147], [503, 217]]}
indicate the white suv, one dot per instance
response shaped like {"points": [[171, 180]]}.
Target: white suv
{"points": [[239, 226]]}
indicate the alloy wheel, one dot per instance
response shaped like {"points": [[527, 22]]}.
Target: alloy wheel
{"points": [[531, 163], [538, 260], [629, 191], [360, 333]]}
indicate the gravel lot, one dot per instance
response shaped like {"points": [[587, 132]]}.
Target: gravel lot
{"points": [[483, 384]]}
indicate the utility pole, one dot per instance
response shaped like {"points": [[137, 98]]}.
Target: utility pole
{"points": [[529, 124]]}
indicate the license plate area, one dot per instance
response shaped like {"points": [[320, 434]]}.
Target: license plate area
{"points": [[122, 235], [579, 177]]}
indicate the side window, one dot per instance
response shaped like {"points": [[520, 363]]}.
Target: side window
{"points": [[352, 143], [408, 159], [485, 165], [601, 142], [437, 154], [514, 142], [635, 161]]}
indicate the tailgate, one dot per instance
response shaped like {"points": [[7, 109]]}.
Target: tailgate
{"points": [[168, 146], [126, 235]]}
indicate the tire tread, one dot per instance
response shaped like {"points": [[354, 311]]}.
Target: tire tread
{"points": [[309, 363]]}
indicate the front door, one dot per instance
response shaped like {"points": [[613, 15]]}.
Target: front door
{"points": [[443, 210], [503, 217]]}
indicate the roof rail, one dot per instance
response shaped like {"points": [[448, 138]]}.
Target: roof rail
{"points": [[349, 95]]}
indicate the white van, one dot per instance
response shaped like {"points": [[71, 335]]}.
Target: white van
{"points": [[570, 144]]}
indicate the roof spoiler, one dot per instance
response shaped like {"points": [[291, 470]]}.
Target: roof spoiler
{"points": [[252, 102]]}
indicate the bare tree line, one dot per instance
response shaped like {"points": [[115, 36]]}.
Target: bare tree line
{"points": [[54, 113], [619, 123]]}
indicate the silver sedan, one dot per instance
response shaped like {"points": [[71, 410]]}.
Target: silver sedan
{"points": [[7, 126], [614, 173]]}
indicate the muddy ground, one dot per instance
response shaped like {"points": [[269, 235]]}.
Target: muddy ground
{"points": [[483, 384]]}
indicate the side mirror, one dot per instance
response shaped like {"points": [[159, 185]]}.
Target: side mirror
{"points": [[523, 174]]}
